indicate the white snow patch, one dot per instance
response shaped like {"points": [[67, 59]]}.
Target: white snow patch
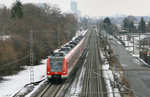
{"points": [[14, 83], [128, 43], [118, 42], [77, 85], [36, 88], [101, 54], [134, 55], [4, 37], [116, 91], [109, 77], [124, 65], [129, 49], [143, 62], [108, 84], [83, 32]]}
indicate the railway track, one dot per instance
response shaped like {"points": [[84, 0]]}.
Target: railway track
{"points": [[94, 85], [51, 90]]}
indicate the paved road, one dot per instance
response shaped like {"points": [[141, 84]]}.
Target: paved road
{"points": [[137, 74]]}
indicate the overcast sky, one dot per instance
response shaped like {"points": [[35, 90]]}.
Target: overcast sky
{"points": [[98, 7]]}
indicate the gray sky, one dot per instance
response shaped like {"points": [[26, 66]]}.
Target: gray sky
{"points": [[98, 7]]}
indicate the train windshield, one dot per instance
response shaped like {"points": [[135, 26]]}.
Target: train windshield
{"points": [[56, 64]]}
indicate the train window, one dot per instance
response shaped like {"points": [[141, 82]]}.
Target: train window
{"points": [[56, 64], [74, 43], [71, 46], [58, 54], [65, 49]]}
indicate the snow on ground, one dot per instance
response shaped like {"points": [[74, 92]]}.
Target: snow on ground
{"points": [[77, 85], [36, 88], [83, 32], [4, 37], [128, 43], [135, 55], [136, 36], [108, 83], [141, 37], [13, 84], [143, 62], [116, 40], [109, 78], [101, 54], [129, 49]]}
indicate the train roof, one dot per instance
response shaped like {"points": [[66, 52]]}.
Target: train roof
{"points": [[68, 47]]}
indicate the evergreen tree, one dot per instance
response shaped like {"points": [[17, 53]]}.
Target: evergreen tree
{"points": [[148, 27], [107, 26], [107, 21], [125, 23], [142, 25], [132, 28], [128, 24], [17, 10]]}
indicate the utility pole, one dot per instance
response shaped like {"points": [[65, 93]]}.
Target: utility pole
{"points": [[31, 60], [139, 42], [148, 47], [32, 57], [133, 42]]}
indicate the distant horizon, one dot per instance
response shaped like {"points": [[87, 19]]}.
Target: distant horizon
{"points": [[97, 8]]}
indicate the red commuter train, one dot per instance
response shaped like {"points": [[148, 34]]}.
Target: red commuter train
{"points": [[62, 62]]}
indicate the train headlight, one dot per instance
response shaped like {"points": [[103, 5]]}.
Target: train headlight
{"points": [[48, 72], [64, 72]]}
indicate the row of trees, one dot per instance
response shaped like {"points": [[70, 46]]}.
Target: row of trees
{"points": [[108, 26], [132, 26], [129, 24], [48, 24]]}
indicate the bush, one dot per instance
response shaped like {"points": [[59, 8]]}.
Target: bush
{"points": [[143, 55]]}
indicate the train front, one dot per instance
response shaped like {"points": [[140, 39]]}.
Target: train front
{"points": [[56, 67]]}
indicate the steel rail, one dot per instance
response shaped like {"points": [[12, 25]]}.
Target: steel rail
{"points": [[45, 89], [97, 65]]}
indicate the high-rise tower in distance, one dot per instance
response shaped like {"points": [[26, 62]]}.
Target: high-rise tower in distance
{"points": [[74, 8]]}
